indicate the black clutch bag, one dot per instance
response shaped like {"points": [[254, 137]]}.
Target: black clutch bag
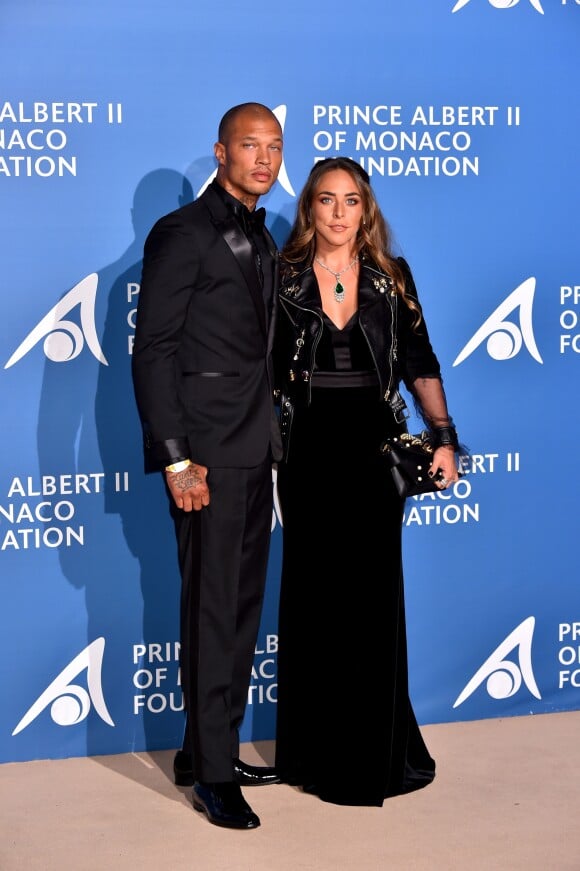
{"points": [[409, 457]]}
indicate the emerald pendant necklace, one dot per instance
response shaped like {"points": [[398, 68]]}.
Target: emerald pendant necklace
{"points": [[338, 288]]}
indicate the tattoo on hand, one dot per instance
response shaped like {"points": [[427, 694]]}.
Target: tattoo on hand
{"points": [[190, 477]]}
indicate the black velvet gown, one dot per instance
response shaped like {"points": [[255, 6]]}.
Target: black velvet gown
{"points": [[346, 730]]}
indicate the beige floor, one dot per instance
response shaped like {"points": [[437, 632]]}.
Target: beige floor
{"points": [[506, 797]]}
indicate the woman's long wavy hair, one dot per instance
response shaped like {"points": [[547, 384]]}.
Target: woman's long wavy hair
{"points": [[373, 239]]}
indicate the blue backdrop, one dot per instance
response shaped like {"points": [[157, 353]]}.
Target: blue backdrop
{"points": [[467, 117]]}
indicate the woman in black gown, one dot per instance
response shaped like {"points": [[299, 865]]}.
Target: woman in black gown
{"points": [[350, 328]]}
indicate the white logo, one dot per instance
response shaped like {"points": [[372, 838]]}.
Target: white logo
{"points": [[504, 677], [500, 4], [280, 113], [63, 339], [71, 703], [505, 339]]}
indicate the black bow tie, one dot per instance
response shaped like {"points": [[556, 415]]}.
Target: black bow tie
{"points": [[253, 221]]}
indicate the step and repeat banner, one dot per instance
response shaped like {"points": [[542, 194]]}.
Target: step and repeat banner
{"points": [[466, 116]]}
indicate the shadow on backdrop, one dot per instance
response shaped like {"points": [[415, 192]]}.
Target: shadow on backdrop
{"points": [[127, 567]]}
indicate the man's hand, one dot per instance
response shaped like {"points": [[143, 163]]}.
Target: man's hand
{"points": [[188, 487]]}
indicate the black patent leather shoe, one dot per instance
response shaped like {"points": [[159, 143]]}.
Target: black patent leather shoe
{"points": [[254, 775], [224, 805]]}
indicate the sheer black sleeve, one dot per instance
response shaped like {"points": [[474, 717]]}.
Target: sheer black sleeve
{"points": [[420, 367]]}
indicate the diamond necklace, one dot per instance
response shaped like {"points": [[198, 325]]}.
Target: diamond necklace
{"points": [[338, 288]]}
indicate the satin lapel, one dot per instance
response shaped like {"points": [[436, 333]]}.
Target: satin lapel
{"points": [[274, 312], [272, 248], [242, 251], [238, 244]]}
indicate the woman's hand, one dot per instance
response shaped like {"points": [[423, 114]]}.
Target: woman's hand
{"points": [[444, 460]]}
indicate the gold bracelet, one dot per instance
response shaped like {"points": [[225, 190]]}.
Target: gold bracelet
{"points": [[178, 467]]}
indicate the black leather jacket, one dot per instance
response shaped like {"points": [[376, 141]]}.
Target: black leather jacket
{"points": [[400, 352]]}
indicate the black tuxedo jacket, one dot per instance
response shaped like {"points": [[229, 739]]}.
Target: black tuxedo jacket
{"points": [[201, 357]]}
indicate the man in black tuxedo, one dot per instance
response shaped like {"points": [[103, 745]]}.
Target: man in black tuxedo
{"points": [[202, 377]]}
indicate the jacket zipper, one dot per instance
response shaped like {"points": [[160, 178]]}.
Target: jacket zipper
{"points": [[314, 344], [393, 351]]}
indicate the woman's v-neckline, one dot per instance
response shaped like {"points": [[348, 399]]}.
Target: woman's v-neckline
{"points": [[329, 320]]}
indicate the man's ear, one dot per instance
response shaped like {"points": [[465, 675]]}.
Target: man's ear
{"points": [[219, 150]]}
